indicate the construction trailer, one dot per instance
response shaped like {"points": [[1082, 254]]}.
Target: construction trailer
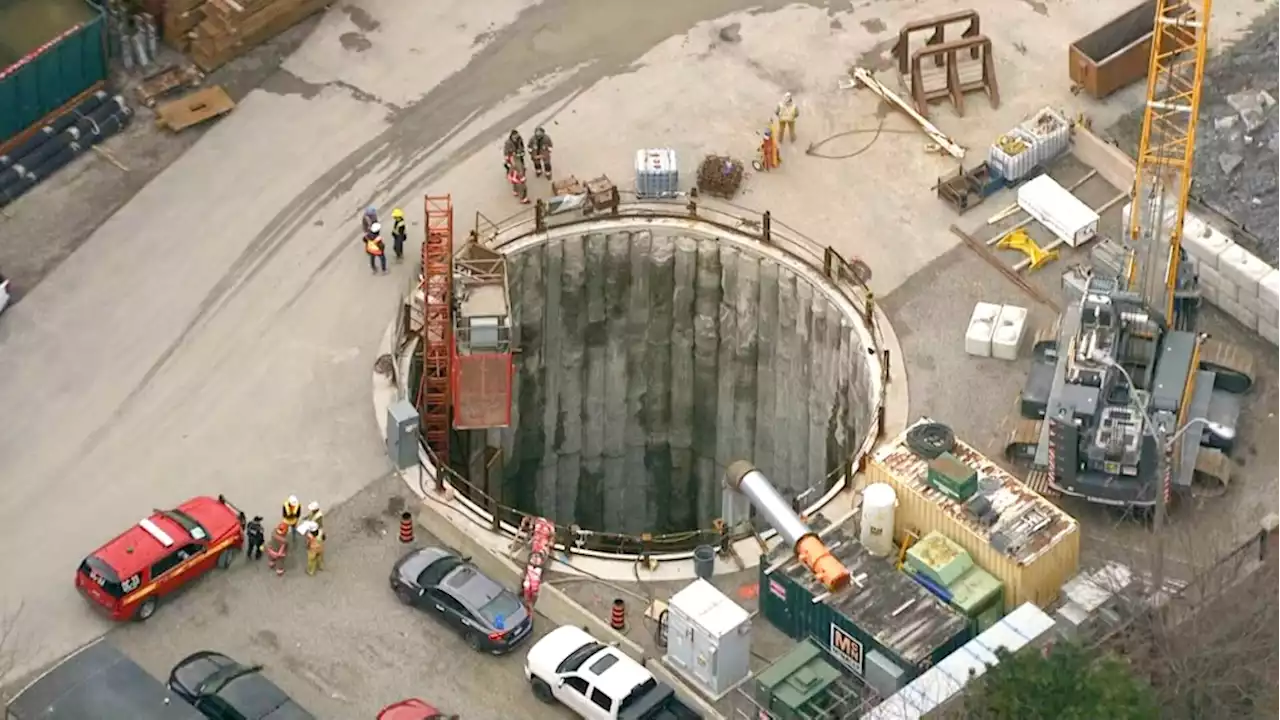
{"points": [[882, 628], [1025, 541]]}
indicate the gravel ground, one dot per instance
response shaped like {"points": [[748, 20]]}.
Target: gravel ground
{"points": [[1235, 167], [339, 642]]}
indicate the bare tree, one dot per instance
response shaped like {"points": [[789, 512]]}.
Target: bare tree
{"points": [[1208, 643], [9, 651]]}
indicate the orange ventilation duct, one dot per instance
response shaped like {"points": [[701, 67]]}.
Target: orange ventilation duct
{"points": [[743, 477]]}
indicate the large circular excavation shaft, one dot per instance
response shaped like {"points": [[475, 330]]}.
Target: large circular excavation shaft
{"points": [[654, 352]]}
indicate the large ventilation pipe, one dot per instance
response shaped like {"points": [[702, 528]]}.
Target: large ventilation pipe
{"points": [[743, 477]]}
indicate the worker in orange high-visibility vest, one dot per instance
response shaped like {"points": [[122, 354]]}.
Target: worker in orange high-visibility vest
{"points": [[375, 248], [278, 548]]}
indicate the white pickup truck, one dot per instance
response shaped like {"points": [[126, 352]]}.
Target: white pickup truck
{"points": [[597, 681]]}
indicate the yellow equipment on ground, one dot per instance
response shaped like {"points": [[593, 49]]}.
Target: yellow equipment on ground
{"points": [[1019, 240]]}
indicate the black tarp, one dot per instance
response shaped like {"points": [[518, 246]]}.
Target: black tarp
{"points": [[98, 682]]}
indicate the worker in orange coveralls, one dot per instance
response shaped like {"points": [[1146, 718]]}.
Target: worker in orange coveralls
{"points": [[770, 157], [515, 176], [279, 547]]}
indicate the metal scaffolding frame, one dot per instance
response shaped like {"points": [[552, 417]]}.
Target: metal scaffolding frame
{"points": [[434, 399]]}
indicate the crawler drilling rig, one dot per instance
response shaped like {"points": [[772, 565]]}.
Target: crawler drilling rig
{"points": [[1129, 405]]}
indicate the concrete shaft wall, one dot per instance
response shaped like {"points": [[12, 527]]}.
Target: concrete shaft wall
{"points": [[648, 363]]}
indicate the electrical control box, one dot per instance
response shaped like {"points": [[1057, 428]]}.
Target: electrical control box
{"points": [[402, 434]]}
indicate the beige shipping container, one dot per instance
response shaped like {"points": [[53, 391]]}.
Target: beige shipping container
{"points": [[1045, 549]]}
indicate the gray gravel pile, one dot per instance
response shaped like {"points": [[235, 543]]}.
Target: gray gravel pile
{"points": [[1237, 162]]}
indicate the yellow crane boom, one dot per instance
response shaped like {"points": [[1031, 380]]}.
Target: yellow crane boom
{"points": [[1166, 152]]}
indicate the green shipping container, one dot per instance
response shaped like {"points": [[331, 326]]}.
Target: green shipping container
{"points": [[51, 52], [882, 610]]}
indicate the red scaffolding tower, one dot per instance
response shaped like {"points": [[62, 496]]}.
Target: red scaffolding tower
{"points": [[437, 325]]}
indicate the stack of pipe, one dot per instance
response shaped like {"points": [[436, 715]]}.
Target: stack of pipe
{"points": [[805, 543], [53, 146]]}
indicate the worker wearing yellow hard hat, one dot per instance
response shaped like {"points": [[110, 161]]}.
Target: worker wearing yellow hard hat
{"points": [[398, 233]]}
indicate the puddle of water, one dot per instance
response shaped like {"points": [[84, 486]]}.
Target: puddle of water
{"points": [[27, 24]]}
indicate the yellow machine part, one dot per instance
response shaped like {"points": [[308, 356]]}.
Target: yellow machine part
{"points": [[1019, 240]]}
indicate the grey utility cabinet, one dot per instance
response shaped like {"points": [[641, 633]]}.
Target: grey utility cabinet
{"points": [[402, 434]]}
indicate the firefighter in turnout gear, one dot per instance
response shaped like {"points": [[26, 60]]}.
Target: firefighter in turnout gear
{"points": [[315, 550], [290, 514], [540, 148], [515, 176], [279, 547], [398, 233], [513, 150]]}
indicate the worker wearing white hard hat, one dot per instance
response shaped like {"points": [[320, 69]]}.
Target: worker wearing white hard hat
{"points": [[787, 113], [291, 513], [375, 248], [315, 514]]}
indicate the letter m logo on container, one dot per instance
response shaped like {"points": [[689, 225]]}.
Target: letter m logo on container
{"points": [[846, 649]]}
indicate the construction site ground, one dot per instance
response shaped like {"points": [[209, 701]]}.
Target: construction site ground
{"points": [[215, 334]]}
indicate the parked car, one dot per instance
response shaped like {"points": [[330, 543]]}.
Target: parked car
{"points": [[490, 617], [129, 575], [4, 292], [413, 709], [598, 681], [223, 689], [97, 681]]}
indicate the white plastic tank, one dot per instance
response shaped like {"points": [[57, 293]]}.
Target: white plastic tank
{"points": [[879, 502]]}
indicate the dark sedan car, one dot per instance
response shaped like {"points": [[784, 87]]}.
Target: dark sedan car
{"points": [[223, 689], [490, 617]]}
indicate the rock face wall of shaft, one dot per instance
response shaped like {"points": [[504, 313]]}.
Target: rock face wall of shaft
{"points": [[648, 363]]}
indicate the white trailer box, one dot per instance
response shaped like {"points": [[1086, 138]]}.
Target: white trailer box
{"points": [[1056, 208]]}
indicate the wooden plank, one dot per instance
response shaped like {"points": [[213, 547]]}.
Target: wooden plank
{"points": [[864, 76], [194, 108], [985, 253], [209, 58]]}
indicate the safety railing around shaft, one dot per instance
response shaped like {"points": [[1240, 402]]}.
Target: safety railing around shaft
{"points": [[848, 277]]}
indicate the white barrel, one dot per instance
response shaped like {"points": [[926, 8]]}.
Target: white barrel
{"points": [[878, 504]]}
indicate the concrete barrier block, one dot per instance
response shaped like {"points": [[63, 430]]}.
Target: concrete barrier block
{"points": [[1269, 289], [1243, 268], [1264, 312], [1270, 331], [1239, 312], [1224, 289], [1209, 293], [1206, 245]]}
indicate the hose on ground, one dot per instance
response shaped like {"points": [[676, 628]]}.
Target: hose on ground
{"points": [[929, 440]]}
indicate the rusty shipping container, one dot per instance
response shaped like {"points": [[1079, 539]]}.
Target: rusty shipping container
{"points": [[1032, 568], [1116, 54]]}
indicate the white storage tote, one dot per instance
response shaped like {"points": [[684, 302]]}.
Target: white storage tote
{"points": [[1056, 208]]}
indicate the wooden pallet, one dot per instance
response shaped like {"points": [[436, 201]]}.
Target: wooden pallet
{"points": [[194, 108], [167, 80]]}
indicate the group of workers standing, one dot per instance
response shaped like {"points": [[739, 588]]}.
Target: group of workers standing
{"points": [[374, 246], [513, 153], [786, 114], [292, 525]]}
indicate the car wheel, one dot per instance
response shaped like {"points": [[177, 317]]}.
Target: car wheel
{"points": [[542, 690], [227, 557], [146, 609], [476, 641]]}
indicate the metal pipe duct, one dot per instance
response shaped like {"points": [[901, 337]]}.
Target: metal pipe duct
{"points": [[743, 477]]}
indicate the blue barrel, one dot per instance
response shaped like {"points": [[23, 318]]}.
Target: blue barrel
{"points": [[704, 561]]}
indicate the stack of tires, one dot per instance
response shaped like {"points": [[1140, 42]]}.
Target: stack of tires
{"points": [[55, 145]]}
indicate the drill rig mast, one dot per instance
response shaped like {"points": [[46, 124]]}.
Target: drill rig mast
{"points": [[1103, 403]]}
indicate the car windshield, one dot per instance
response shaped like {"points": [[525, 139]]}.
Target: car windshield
{"points": [[500, 609], [103, 576], [636, 693], [579, 656], [188, 523]]}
